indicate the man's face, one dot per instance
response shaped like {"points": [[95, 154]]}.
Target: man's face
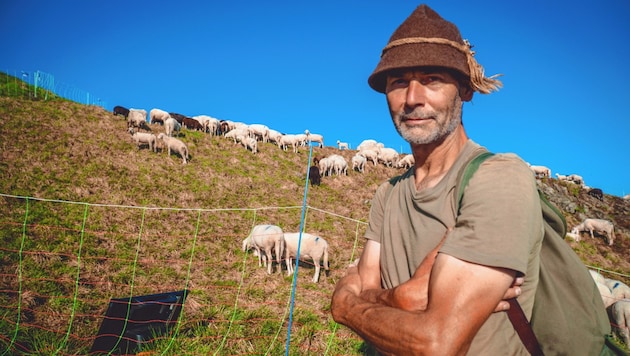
{"points": [[425, 103]]}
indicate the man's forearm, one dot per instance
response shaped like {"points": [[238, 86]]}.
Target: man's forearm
{"points": [[390, 330]]}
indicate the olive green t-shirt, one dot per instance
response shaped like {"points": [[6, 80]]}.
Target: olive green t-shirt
{"points": [[500, 225]]}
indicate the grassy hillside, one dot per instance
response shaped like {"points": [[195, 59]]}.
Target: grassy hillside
{"points": [[141, 222]]}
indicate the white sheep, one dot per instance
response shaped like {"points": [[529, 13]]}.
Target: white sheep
{"points": [[562, 177], [343, 145], [540, 171], [618, 289], [325, 166], [577, 179], [604, 290], [144, 138], [406, 161], [171, 126], [388, 156], [158, 116], [259, 131], [370, 155], [267, 239], [238, 134], [574, 237], [315, 138], [289, 140], [620, 319], [311, 246], [338, 165], [369, 145], [274, 136], [175, 145], [596, 225], [251, 144], [358, 162], [137, 118], [301, 139]]}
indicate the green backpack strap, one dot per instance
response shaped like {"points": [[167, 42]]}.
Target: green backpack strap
{"points": [[469, 170]]}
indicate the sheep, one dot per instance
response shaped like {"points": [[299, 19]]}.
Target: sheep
{"points": [[137, 118], [175, 145], [369, 145], [540, 171], [313, 175], [157, 116], [289, 140], [178, 117], [301, 139], [205, 122], [266, 238], [604, 290], [325, 166], [212, 125], [358, 162], [370, 155], [339, 165], [596, 225], [192, 124], [314, 138], [619, 290], [142, 138], [274, 136], [342, 145], [597, 193], [574, 237], [619, 314], [238, 134], [388, 156], [562, 177], [259, 131], [311, 246], [576, 179], [171, 126], [121, 110], [406, 161], [251, 144]]}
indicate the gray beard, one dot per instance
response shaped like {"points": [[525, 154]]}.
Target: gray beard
{"points": [[439, 134]]}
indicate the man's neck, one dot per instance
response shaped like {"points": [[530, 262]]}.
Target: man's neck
{"points": [[433, 161]]}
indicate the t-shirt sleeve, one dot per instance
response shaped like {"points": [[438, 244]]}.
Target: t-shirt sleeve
{"points": [[500, 221], [377, 212]]}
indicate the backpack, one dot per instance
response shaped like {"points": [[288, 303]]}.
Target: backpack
{"points": [[569, 317]]}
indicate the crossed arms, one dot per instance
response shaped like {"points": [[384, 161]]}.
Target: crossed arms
{"points": [[438, 311]]}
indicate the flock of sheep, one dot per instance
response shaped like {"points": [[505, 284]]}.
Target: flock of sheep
{"points": [[249, 136], [266, 240], [270, 240], [616, 298]]}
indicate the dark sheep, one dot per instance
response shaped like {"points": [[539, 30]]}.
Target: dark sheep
{"points": [[120, 110], [597, 193], [314, 176], [178, 117], [192, 124]]}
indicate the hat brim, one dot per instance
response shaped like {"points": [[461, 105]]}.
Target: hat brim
{"points": [[417, 55]]}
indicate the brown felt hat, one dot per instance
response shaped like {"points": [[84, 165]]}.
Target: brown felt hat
{"points": [[425, 39]]}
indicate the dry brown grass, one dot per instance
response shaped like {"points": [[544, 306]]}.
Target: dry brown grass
{"points": [[76, 153]]}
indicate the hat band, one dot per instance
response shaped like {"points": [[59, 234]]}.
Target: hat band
{"points": [[479, 82]]}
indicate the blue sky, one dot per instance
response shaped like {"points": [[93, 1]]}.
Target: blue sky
{"points": [[296, 65]]}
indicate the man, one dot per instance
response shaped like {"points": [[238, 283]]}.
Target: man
{"points": [[433, 275]]}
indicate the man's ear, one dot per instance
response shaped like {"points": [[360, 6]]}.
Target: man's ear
{"points": [[466, 93]]}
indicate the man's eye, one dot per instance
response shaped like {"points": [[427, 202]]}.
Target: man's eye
{"points": [[431, 79], [398, 82]]}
